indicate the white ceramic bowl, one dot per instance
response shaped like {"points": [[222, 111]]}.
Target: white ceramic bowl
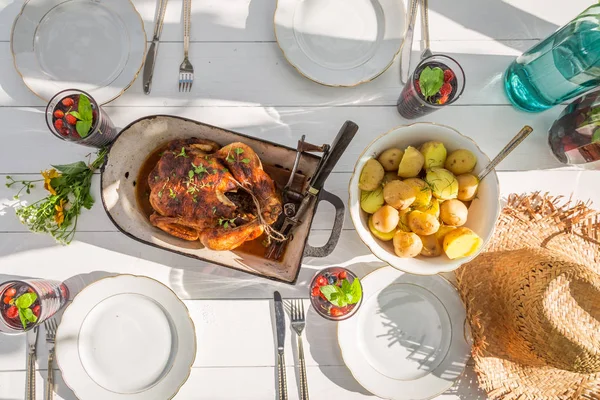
{"points": [[483, 212]]}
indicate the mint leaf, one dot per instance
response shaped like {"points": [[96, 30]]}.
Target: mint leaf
{"points": [[75, 114], [85, 108], [355, 292], [328, 290], [246, 161], [431, 80], [83, 127], [334, 295], [596, 136], [345, 286], [29, 315], [26, 300], [23, 319]]}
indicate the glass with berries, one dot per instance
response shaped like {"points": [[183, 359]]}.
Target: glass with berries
{"points": [[29, 302], [73, 115], [437, 81], [336, 293]]}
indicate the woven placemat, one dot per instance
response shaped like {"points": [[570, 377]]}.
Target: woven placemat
{"points": [[533, 301]]}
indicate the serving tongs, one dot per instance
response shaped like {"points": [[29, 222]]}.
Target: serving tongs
{"points": [[296, 204]]}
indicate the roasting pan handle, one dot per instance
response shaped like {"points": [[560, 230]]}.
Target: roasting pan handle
{"points": [[336, 231]]}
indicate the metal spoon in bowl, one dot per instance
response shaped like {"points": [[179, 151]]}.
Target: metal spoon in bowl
{"points": [[517, 140]]}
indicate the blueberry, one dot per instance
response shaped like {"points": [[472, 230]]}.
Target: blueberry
{"points": [[332, 279]]}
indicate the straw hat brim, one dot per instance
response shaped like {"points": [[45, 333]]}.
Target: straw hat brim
{"points": [[524, 347]]}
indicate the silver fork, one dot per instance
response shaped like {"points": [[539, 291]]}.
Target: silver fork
{"points": [[186, 70], [298, 324], [50, 326]]}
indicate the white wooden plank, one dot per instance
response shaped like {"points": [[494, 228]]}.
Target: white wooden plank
{"points": [[258, 74], [248, 383], [493, 19], [252, 20], [97, 254], [580, 184], [27, 139]]}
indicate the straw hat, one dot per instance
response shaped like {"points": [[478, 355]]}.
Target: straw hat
{"points": [[533, 302]]}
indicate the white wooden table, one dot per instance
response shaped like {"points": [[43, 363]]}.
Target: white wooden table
{"points": [[243, 83]]}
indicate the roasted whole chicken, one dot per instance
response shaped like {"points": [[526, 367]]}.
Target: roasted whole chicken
{"points": [[220, 196]]}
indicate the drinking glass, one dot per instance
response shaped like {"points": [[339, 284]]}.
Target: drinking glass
{"points": [[575, 136], [322, 306], [51, 297], [412, 104], [103, 131], [561, 67]]}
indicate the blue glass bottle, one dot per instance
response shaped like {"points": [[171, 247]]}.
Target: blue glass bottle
{"points": [[561, 67]]}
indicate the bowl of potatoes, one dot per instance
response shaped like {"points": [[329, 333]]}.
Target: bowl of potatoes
{"points": [[416, 202]]}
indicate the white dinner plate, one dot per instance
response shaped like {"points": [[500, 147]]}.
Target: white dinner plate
{"points": [[340, 42], [407, 341], [126, 338], [97, 46]]}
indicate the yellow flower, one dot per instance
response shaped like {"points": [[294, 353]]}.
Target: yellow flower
{"points": [[48, 176], [59, 217]]}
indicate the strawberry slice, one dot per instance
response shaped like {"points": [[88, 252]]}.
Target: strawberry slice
{"points": [[445, 90], [12, 312]]}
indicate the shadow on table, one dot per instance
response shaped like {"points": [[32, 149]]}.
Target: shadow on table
{"points": [[321, 334]]}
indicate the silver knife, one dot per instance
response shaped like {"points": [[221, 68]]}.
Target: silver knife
{"points": [[153, 51], [30, 367], [280, 325], [406, 50]]}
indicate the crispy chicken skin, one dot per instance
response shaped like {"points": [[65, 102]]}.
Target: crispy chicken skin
{"points": [[196, 194]]}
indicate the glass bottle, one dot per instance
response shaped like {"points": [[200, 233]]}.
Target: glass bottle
{"points": [[561, 67]]}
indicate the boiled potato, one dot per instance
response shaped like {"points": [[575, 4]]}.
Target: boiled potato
{"points": [[467, 187], [378, 234], [434, 153], [371, 175], [371, 201], [442, 183], [454, 212], [432, 208], [390, 176], [386, 219], [398, 194], [460, 162], [422, 223], [407, 244], [431, 246], [442, 232], [422, 191], [411, 163], [403, 222], [461, 242], [390, 159]]}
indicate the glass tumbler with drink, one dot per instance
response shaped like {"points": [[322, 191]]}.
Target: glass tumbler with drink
{"points": [[335, 293], [561, 67], [437, 82], [29, 302], [73, 115], [575, 136]]}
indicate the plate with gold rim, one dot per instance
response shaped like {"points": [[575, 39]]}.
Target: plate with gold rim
{"points": [[126, 338], [407, 341], [97, 46], [340, 42]]}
